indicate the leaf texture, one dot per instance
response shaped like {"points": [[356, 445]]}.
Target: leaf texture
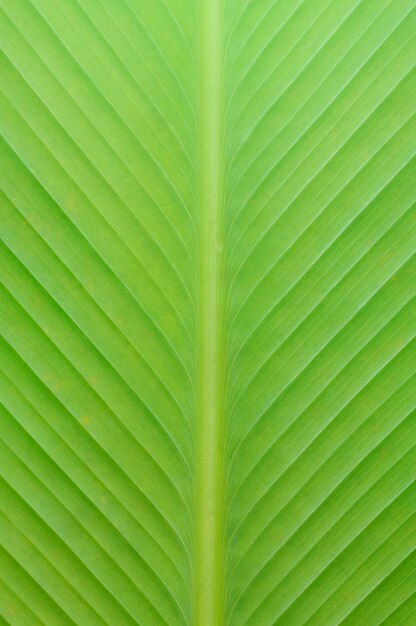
{"points": [[208, 313]]}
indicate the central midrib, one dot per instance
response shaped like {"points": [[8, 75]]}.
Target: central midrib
{"points": [[209, 549]]}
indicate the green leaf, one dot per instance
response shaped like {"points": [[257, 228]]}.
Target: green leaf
{"points": [[208, 280]]}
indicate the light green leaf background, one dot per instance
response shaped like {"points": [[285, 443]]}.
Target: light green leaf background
{"points": [[208, 221]]}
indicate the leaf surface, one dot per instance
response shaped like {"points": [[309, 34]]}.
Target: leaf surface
{"points": [[207, 305]]}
